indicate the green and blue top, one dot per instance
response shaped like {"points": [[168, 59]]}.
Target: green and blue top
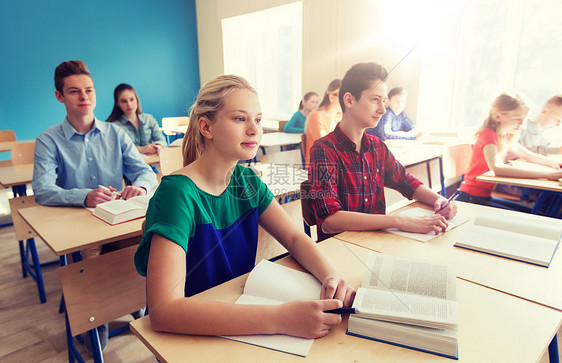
{"points": [[219, 234]]}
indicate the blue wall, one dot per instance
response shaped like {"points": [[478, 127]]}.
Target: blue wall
{"points": [[151, 45]]}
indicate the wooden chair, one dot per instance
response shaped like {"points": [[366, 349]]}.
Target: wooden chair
{"points": [[28, 251], [456, 159], [7, 135], [308, 216], [168, 122], [282, 126], [97, 291], [171, 159], [23, 152]]}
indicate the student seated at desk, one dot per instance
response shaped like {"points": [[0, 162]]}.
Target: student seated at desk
{"points": [[495, 147], [322, 121], [349, 168], [532, 132], [141, 127], [394, 124], [296, 124], [202, 227]]}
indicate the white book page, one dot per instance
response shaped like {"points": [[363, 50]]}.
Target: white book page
{"points": [[277, 282], [523, 223], [424, 237], [284, 343], [418, 277], [509, 244], [405, 308]]}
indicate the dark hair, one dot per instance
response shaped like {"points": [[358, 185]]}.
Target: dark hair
{"points": [[395, 91], [117, 112], [69, 68], [555, 100], [332, 87], [359, 78], [307, 95]]}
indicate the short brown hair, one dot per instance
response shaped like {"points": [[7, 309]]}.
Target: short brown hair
{"points": [[69, 68], [555, 100], [359, 78]]}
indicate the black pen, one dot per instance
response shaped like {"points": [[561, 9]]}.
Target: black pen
{"points": [[342, 311], [451, 198]]}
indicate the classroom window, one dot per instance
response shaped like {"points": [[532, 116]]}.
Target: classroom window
{"points": [[265, 47], [485, 47]]}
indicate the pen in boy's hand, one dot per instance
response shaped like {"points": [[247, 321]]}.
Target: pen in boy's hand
{"points": [[451, 198], [109, 190]]}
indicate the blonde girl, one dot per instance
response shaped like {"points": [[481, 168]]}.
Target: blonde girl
{"points": [[202, 225], [495, 147]]}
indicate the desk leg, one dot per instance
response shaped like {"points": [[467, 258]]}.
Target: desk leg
{"points": [[553, 350], [442, 178]]}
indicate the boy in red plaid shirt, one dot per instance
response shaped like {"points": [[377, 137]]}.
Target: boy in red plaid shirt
{"points": [[349, 168]]}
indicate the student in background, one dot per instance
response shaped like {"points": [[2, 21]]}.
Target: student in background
{"points": [[349, 169], [322, 121], [141, 127], [307, 104], [202, 227], [532, 133], [81, 161], [394, 124], [493, 150]]}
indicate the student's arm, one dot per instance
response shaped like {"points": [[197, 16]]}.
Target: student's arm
{"points": [[306, 252], [532, 157], [171, 311], [134, 167], [490, 154], [294, 125], [46, 170]]}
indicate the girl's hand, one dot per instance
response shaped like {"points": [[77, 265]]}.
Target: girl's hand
{"points": [[307, 319], [435, 223], [335, 287], [450, 209], [555, 175]]}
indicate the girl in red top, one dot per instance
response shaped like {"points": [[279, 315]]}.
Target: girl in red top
{"points": [[493, 150]]}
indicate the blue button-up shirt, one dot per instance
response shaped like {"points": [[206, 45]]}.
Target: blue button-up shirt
{"points": [[148, 132], [69, 164]]}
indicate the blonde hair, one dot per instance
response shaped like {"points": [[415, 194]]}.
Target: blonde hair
{"points": [[503, 103], [210, 101]]}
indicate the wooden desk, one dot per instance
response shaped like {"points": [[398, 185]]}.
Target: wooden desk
{"points": [[7, 145], [180, 129], [530, 282], [542, 184], [16, 175], [492, 327], [279, 139], [270, 126], [283, 180], [151, 159], [71, 229]]}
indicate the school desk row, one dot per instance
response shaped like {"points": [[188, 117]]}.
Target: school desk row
{"points": [[509, 310]]}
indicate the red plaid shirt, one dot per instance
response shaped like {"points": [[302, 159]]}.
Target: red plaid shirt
{"points": [[344, 179]]}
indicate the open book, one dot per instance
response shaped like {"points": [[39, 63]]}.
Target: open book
{"points": [[120, 210], [523, 237], [273, 284], [410, 303], [424, 237]]}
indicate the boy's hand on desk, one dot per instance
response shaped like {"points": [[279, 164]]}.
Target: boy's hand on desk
{"points": [[97, 196], [307, 318], [149, 149], [335, 287], [424, 224], [450, 209], [132, 191]]}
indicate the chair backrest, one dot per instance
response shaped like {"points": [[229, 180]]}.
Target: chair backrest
{"points": [[456, 159], [7, 135], [171, 159], [282, 126], [102, 289], [22, 153], [22, 229], [306, 204]]}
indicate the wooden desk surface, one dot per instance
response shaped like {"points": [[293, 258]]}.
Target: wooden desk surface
{"points": [[151, 159], [16, 175], [414, 152], [180, 129], [531, 282], [7, 145], [279, 139], [550, 185], [493, 327], [270, 125], [71, 229]]}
